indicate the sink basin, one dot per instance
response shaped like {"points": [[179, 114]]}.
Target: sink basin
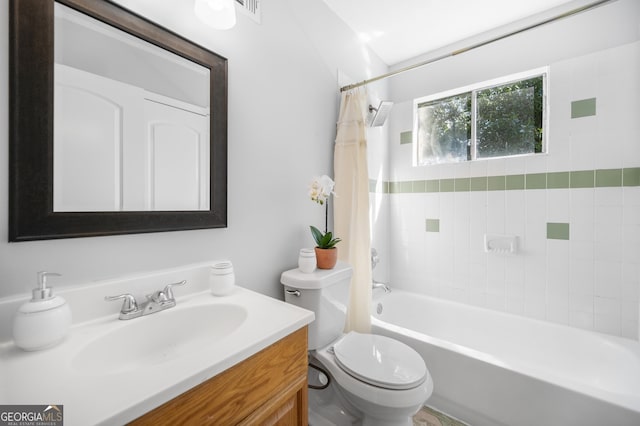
{"points": [[155, 339]]}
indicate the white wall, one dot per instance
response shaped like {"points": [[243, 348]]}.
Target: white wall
{"points": [[282, 114], [592, 279], [378, 163]]}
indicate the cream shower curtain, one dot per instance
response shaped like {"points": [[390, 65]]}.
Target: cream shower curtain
{"points": [[351, 206]]}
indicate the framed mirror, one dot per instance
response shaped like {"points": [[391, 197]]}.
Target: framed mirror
{"points": [[117, 125]]}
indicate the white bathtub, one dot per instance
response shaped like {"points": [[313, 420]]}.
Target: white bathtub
{"points": [[493, 368]]}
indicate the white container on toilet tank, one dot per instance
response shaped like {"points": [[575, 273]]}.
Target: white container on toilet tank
{"points": [[325, 292], [307, 260]]}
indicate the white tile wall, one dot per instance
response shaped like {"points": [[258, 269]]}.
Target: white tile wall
{"points": [[592, 280], [583, 140]]}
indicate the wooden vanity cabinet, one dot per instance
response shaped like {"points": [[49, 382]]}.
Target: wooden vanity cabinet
{"points": [[269, 388]]}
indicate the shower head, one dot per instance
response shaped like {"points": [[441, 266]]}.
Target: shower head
{"points": [[377, 116]]}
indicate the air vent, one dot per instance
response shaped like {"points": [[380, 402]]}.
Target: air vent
{"points": [[251, 8]]}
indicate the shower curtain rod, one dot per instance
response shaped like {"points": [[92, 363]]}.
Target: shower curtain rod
{"points": [[475, 46]]}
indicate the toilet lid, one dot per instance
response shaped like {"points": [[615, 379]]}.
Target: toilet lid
{"points": [[380, 361]]}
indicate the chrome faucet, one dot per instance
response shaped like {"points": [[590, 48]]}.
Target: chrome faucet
{"points": [[156, 302], [375, 259], [377, 284]]}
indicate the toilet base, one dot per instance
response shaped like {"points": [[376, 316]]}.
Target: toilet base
{"points": [[330, 415], [331, 406], [326, 407]]}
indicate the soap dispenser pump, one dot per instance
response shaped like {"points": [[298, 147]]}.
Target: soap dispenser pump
{"points": [[43, 321]]}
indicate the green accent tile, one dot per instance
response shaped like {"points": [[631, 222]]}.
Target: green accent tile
{"points": [[557, 231], [406, 137], [631, 176], [553, 180], [515, 182], [433, 225], [406, 186], [557, 180], [608, 177], [536, 181], [372, 185], [433, 185], [419, 186], [583, 108], [462, 184], [447, 185], [478, 184], [497, 183], [582, 179]]}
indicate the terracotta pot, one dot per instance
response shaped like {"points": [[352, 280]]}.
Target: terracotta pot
{"points": [[326, 258]]}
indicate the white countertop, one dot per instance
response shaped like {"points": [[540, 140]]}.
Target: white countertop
{"points": [[49, 376]]}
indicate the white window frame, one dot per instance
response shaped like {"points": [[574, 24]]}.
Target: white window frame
{"points": [[473, 89]]}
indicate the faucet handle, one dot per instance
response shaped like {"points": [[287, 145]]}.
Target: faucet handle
{"points": [[129, 304], [168, 292], [157, 297]]}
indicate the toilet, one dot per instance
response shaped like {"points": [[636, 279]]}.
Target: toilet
{"points": [[373, 380]]}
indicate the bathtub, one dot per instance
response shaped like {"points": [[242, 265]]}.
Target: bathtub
{"points": [[493, 368]]}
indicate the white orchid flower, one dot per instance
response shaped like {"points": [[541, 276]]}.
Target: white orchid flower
{"points": [[321, 189]]}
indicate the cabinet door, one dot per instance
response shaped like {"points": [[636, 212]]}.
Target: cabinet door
{"points": [[268, 388], [287, 408], [178, 157], [95, 118]]}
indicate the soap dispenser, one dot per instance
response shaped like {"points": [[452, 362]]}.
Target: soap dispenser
{"points": [[43, 321]]}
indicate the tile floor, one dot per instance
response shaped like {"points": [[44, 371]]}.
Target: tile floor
{"points": [[430, 417]]}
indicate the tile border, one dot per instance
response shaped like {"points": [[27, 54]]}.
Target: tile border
{"points": [[599, 178]]}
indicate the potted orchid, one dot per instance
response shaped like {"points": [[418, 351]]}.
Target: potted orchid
{"points": [[326, 252]]}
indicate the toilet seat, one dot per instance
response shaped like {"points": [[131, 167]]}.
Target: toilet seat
{"points": [[380, 361]]}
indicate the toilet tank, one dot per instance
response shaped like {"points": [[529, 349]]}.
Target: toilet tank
{"points": [[326, 293]]}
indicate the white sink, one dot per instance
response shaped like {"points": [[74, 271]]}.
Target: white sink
{"points": [[147, 341], [134, 366]]}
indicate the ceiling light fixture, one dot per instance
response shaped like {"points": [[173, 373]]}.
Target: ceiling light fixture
{"points": [[219, 14]]}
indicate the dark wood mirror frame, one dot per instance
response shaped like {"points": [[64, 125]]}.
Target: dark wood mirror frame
{"points": [[31, 86]]}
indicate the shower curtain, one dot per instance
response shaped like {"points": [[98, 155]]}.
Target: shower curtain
{"points": [[351, 206]]}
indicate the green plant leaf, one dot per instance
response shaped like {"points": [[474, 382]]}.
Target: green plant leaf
{"points": [[324, 241], [333, 242], [317, 235]]}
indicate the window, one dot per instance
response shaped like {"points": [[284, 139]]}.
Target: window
{"points": [[500, 118]]}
